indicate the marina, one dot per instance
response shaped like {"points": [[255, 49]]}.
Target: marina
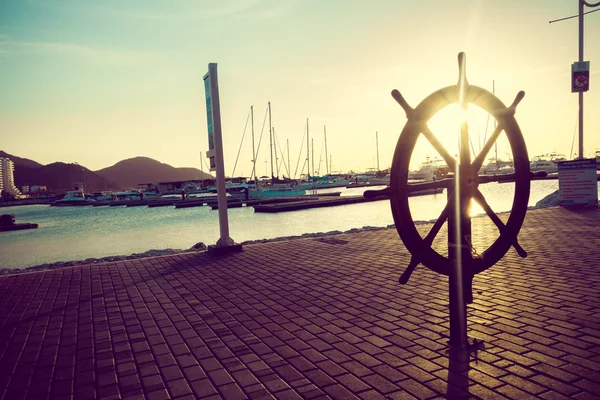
{"points": [[79, 233], [292, 260]]}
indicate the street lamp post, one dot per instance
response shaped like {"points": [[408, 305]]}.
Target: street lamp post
{"points": [[581, 13], [580, 93], [84, 181], [582, 3]]}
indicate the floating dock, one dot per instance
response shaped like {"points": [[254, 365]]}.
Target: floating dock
{"points": [[17, 227], [367, 184], [256, 202], [274, 200], [328, 202]]}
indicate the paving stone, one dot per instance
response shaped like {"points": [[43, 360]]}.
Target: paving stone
{"points": [[304, 319]]}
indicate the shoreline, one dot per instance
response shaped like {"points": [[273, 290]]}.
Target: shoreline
{"points": [[197, 248], [550, 200]]}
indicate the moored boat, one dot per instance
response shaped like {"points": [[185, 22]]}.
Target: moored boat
{"points": [[7, 223], [73, 198], [543, 165]]}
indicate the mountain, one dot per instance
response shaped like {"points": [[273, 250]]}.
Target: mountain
{"points": [[21, 162], [133, 171], [58, 177], [128, 173]]}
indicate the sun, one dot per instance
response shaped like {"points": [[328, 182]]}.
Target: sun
{"points": [[446, 126]]}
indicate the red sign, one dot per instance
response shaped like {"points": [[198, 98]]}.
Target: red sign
{"points": [[581, 81], [580, 76]]}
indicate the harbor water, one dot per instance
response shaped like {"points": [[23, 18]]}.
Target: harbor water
{"points": [[79, 233]]}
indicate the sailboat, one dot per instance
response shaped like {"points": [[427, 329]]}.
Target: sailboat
{"points": [[381, 177], [495, 165], [275, 188], [315, 182]]}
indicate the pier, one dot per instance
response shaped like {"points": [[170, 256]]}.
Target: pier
{"points": [[317, 317], [327, 202]]}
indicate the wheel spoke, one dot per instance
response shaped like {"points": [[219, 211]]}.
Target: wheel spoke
{"points": [[478, 161], [465, 151], [435, 229], [440, 221], [437, 145], [479, 198]]}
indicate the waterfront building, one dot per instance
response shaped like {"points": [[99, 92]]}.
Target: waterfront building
{"points": [[38, 188], [7, 177]]}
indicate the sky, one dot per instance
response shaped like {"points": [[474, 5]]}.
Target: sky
{"points": [[96, 82]]}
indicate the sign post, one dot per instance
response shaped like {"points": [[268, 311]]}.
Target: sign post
{"points": [[577, 182], [225, 244]]}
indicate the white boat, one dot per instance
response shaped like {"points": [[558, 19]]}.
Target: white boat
{"points": [[127, 195], [507, 169], [426, 173], [430, 170], [73, 198], [100, 196], [322, 182], [383, 180], [543, 165], [150, 193], [270, 192], [497, 167]]}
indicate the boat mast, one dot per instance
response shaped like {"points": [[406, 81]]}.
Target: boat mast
{"points": [[289, 165], [495, 123], [307, 151], [271, 140], [377, 145], [326, 156], [276, 158], [201, 169], [253, 175], [312, 141]]}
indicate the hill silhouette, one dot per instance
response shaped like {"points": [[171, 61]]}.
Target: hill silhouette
{"points": [[125, 174], [59, 177], [133, 171], [18, 161]]}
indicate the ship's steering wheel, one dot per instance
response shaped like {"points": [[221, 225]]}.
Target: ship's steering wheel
{"points": [[465, 180]]}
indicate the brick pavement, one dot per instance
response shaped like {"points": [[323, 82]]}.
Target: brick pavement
{"points": [[309, 318]]}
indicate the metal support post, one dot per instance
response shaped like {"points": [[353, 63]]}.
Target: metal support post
{"points": [[580, 93], [215, 144]]}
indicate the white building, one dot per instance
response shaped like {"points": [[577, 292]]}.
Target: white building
{"points": [[7, 177]]}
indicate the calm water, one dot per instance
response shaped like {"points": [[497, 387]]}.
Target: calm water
{"points": [[78, 233]]}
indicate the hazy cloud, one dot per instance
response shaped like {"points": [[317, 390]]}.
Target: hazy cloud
{"points": [[193, 11], [277, 10], [90, 53]]}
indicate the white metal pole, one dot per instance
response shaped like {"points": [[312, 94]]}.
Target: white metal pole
{"points": [[326, 155], [224, 240], [377, 145]]}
